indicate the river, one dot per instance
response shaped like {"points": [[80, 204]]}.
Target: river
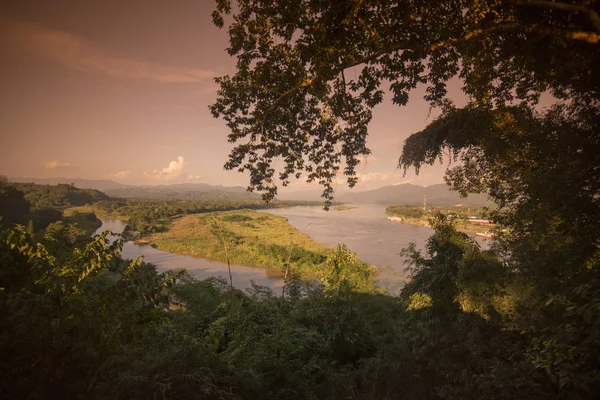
{"points": [[364, 229], [200, 268]]}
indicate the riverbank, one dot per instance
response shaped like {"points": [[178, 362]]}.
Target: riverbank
{"points": [[415, 217], [344, 208], [245, 237]]}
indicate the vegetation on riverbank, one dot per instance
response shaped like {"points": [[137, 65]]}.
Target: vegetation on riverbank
{"points": [[61, 195], [415, 215], [249, 238], [45, 209], [146, 216], [343, 208], [83, 218]]}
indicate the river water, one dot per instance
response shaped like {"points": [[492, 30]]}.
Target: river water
{"points": [[200, 268], [364, 229]]}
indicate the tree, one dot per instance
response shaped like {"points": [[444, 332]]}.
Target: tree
{"points": [[345, 273], [63, 317], [292, 99], [14, 209]]}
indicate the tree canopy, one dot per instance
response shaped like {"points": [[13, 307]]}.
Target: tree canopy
{"points": [[292, 99], [13, 206]]}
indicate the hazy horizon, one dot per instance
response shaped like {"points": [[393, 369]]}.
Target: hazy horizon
{"points": [[303, 188], [112, 90]]}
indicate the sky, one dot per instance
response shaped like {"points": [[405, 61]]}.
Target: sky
{"points": [[105, 89]]}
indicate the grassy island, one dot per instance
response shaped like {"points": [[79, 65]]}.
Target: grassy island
{"points": [[249, 238], [343, 208]]}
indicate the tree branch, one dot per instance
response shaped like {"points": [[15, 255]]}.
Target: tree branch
{"points": [[589, 37], [292, 90], [509, 27], [589, 12]]}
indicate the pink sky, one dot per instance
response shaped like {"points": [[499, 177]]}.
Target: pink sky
{"points": [[104, 89]]}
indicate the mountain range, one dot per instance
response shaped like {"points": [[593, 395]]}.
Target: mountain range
{"points": [[439, 194], [200, 191]]}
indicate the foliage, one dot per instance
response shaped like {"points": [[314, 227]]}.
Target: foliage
{"points": [[293, 96], [343, 208], [405, 211], [94, 327], [541, 169], [345, 273], [63, 316], [155, 215], [416, 215], [14, 209], [61, 195], [249, 238], [520, 320]]}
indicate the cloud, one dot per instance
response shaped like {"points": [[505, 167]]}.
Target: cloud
{"points": [[173, 172], [54, 164], [194, 178], [123, 175], [76, 53]]}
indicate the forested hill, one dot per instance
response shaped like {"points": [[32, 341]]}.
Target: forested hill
{"points": [[439, 194], [99, 184], [51, 214], [61, 195], [198, 191]]}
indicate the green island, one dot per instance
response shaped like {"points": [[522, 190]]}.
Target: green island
{"points": [[151, 215], [460, 216], [246, 237], [344, 208]]}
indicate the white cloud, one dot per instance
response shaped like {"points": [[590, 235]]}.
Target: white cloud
{"points": [[194, 178], [173, 172], [54, 164], [123, 175]]}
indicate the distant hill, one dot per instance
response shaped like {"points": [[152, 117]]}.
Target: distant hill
{"points": [[60, 195], [407, 193], [439, 194], [97, 184], [303, 195], [198, 191]]}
